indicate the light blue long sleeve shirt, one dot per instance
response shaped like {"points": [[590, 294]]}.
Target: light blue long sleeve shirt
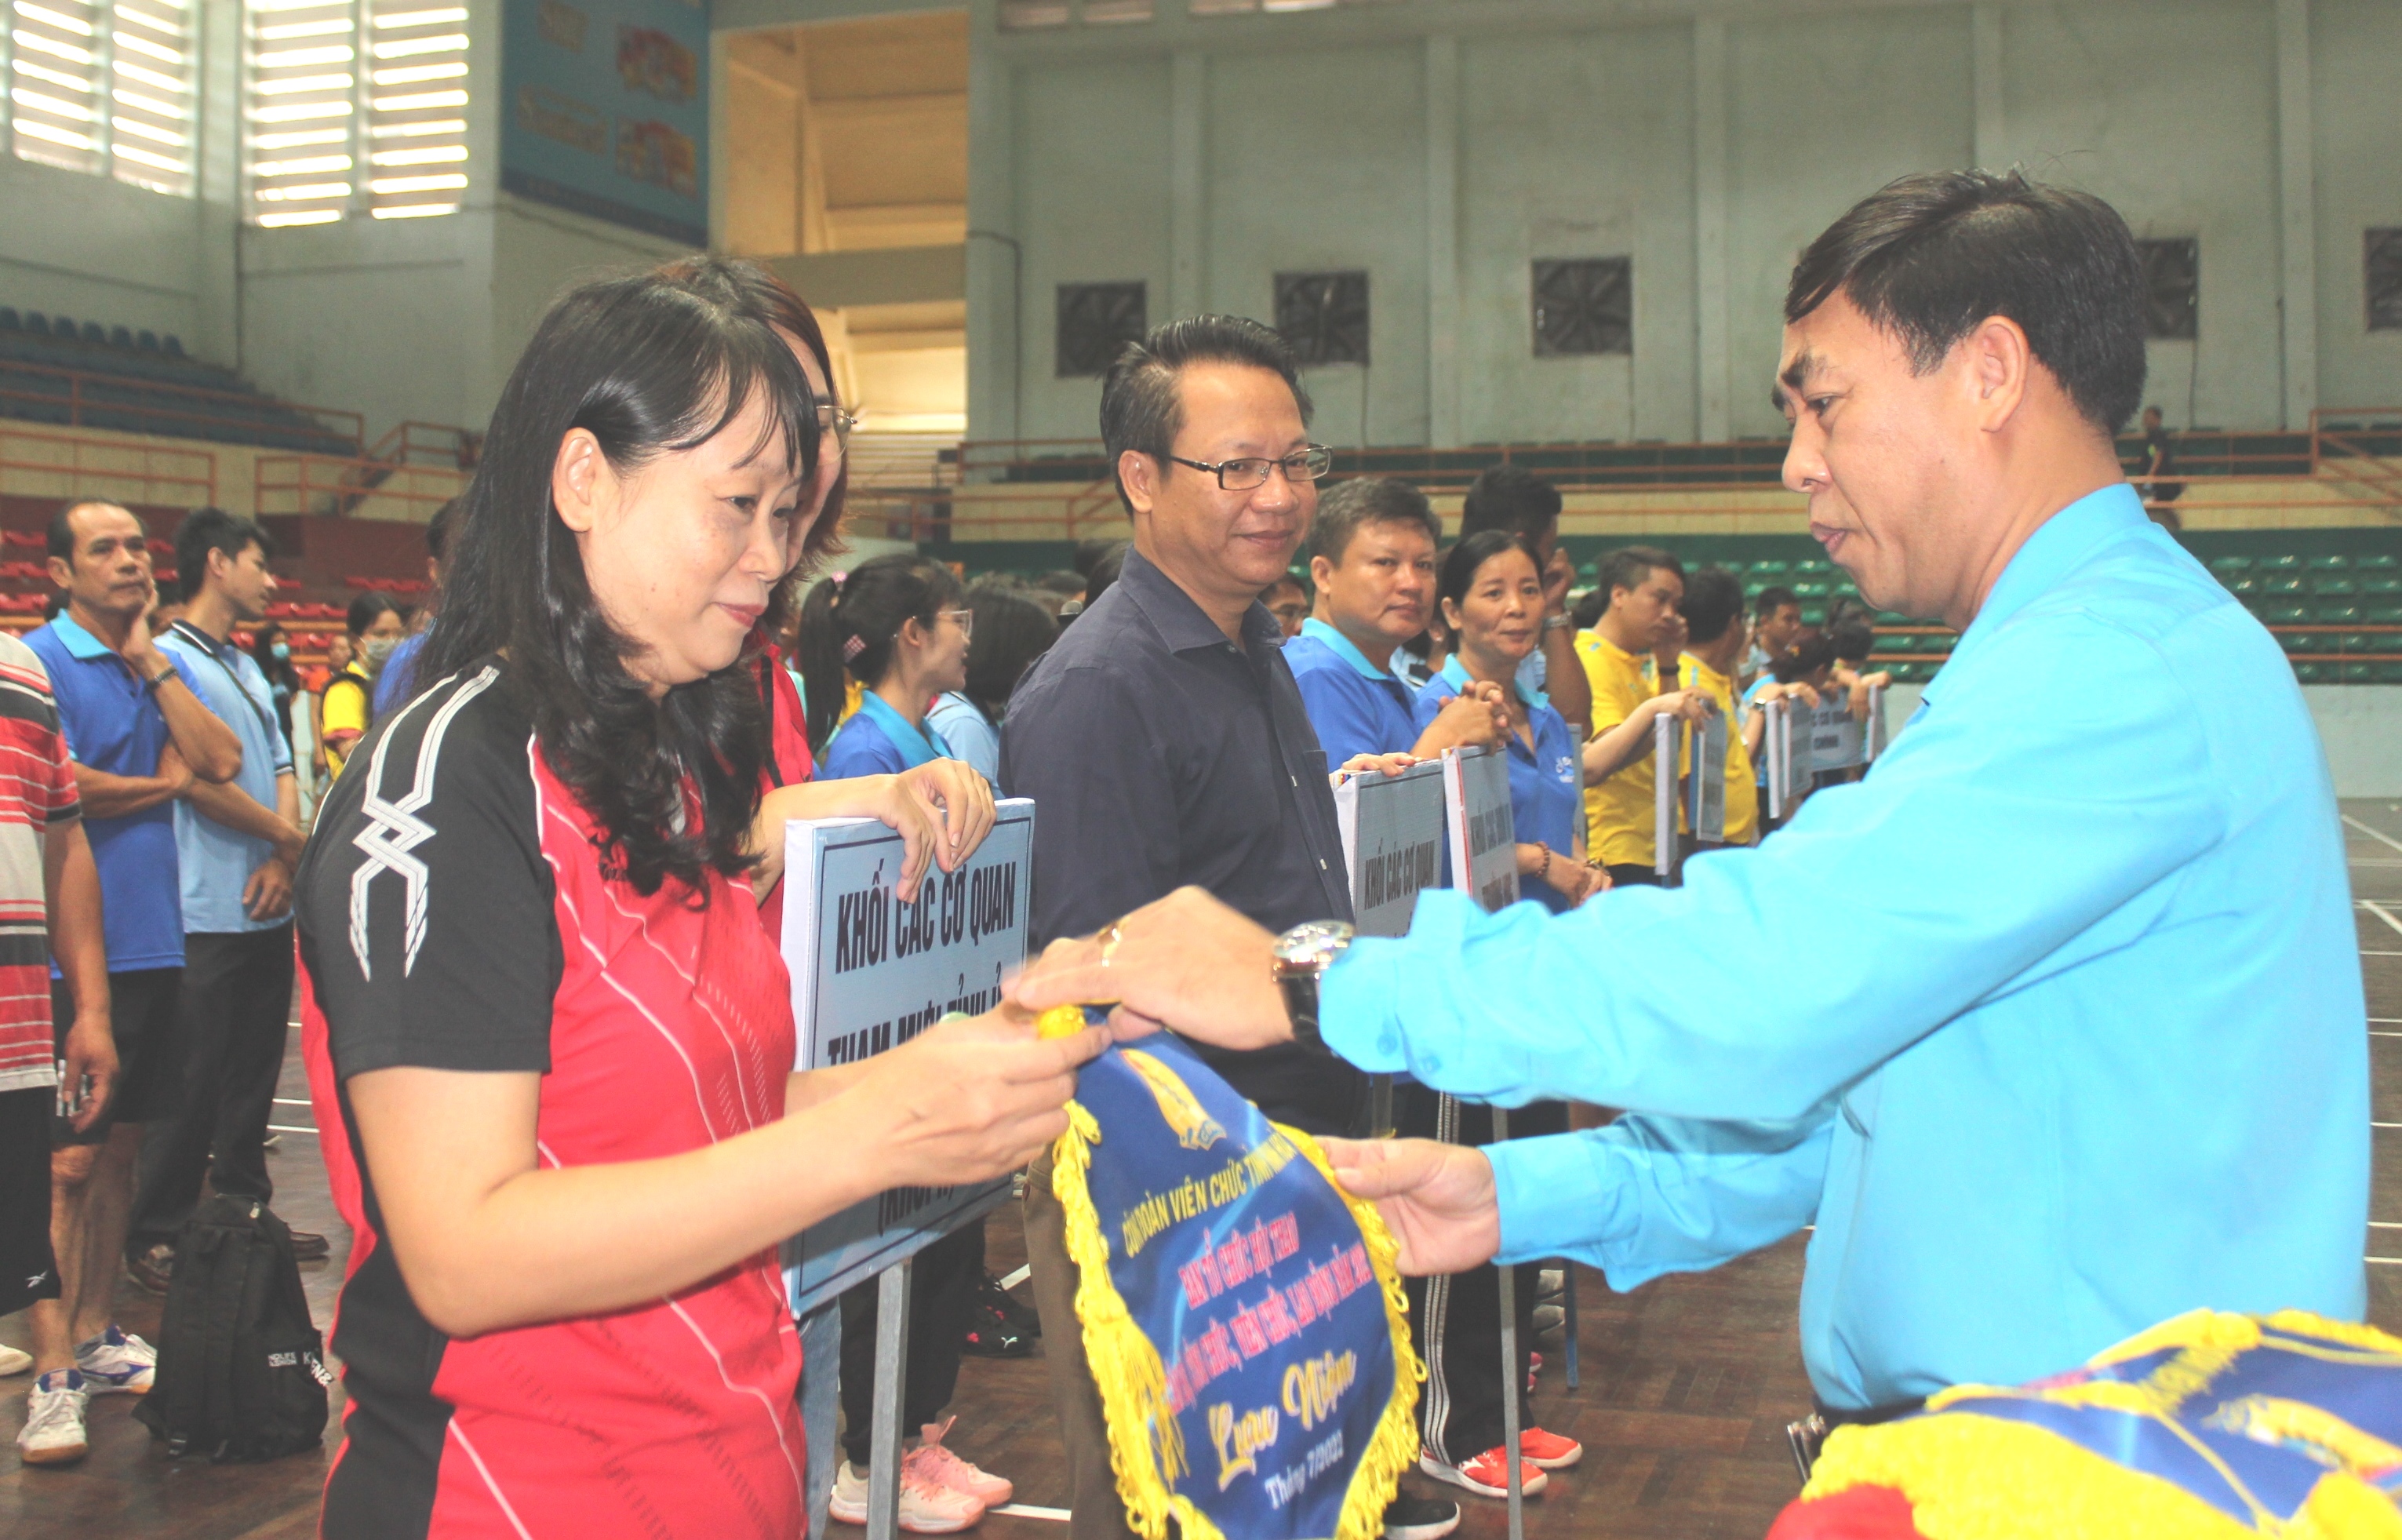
{"points": [[2053, 1025]]}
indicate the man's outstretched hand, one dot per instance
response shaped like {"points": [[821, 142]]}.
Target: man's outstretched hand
{"points": [[1438, 1199]]}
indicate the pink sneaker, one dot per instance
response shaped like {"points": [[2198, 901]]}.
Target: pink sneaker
{"points": [[936, 1466]]}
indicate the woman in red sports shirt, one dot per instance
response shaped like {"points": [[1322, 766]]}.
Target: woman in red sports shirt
{"points": [[549, 1038]]}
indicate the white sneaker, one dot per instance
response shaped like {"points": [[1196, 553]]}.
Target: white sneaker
{"points": [[53, 1430], [941, 1467], [925, 1508], [13, 1362], [117, 1363]]}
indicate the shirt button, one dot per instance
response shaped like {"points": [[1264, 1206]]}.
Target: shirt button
{"points": [[1321, 863]]}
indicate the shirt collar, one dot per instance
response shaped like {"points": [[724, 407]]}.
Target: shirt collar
{"points": [[198, 638], [917, 746], [1178, 620], [81, 644], [2058, 545], [1458, 678], [1708, 677], [1341, 646]]}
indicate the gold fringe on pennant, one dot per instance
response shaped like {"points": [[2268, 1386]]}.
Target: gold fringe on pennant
{"points": [[1146, 1445]]}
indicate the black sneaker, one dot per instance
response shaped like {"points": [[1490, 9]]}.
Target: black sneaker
{"points": [[998, 1326], [1409, 1518], [154, 1268]]}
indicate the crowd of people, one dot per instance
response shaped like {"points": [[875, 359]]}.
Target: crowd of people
{"points": [[532, 905]]}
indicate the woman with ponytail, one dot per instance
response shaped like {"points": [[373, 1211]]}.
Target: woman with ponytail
{"points": [[899, 625]]}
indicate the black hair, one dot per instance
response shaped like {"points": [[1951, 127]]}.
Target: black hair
{"points": [[1588, 611], [1284, 580], [1105, 573], [653, 364], [366, 607], [1627, 567], [1803, 659], [1460, 563], [1343, 508], [1141, 410], [438, 529], [1930, 257], [207, 530], [166, 590], [1090, 551], [1068, 583], [1774, 599], [1012, 630], [1713, 602], [1851, 635], [61, 537], [1512, 498], [851, 620], [279, 671]]}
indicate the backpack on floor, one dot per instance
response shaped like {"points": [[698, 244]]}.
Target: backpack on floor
{"points": [[242, 1373]]}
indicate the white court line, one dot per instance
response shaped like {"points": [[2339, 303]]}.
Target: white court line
{"points": [[2384, 1224], [2382, 1261], [1022, 1274], [1027, 1511], [290, 1101], [2373, 907], [2370, 952], [2378, 835], [282, 1128]]}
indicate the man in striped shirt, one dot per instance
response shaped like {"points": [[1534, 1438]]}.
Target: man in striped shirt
{"points": [[49, 900]]}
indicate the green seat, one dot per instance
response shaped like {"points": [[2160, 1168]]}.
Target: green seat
{"points": [[2330, 561], [2287, 561], [1807, 590], [2373, 584], [1772, 572], [2285, 614], [2338, 612], [2334, 583], [1891, 617], [2312, 674], [2296, 641], [2226, 566], [2387, 612], [2389, 674], [1812, 566], [2244, 584], [2361, 673], [1813, 614], [2284, 583], [2383, 560]]}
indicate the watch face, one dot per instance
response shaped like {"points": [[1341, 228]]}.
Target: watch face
{"points": [[1314, 945]]}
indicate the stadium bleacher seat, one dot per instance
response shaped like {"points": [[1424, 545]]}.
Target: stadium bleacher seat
{"points": [[120, 389]]}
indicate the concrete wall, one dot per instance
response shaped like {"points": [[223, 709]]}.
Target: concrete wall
{"points": [[1442, 145]]}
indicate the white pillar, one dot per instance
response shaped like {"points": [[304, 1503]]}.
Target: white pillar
{"points": [[1713, 357], [1188, 186], [1442, 239], [1985, 76], [995, 262], [2297, 212]]}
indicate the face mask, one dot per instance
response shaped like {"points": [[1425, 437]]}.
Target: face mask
{"points": [[377, 648], [279, 651]]}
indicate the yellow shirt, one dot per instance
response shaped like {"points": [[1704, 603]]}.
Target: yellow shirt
{"points": [[1619, 811], [347, 702], [1742, 796]]}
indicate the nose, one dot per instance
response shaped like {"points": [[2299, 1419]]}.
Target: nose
{"points": [[1805, 463], [1279, 492], [765, 552]]}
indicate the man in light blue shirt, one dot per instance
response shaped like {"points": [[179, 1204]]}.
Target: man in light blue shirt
{"points": [[2080, 1043], [236, 847]]}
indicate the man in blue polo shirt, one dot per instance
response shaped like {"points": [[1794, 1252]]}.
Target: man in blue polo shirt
{"points": [[236, 846], [140, 739], [1372, 560]]}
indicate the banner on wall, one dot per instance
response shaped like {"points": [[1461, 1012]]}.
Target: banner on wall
{"points": [[605, 111], [869, 973]]}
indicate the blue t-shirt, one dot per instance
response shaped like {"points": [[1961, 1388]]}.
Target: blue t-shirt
{"points": [[1357, 707], [391, 685], [1543, 801], [956, 721], [216, 862], [878, 740], [114, 725]]}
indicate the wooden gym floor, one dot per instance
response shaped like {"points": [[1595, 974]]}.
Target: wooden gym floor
{"points": [[1686, 1382]]}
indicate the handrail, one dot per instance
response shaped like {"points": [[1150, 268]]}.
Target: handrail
{"points": [[406, 443], [343, 483], [355, 432], [200, 472]]}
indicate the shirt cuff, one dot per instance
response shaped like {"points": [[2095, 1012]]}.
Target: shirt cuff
{"points": [[1552, 1197], [1356, 1006]]}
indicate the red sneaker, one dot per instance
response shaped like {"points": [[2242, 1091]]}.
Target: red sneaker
{"points": [[1486, 1475], [1548, 1450]]}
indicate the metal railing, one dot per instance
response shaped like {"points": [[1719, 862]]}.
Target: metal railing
{"points": [[129, 404], [185, 477], [338, 485]]}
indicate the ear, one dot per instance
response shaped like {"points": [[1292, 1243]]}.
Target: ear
{"points": [[912, 634], [1140, 474], [1321, 574], [1450, 617], [580, 479], [61, 573], [1998, 362]]}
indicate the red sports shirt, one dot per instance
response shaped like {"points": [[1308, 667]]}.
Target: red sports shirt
{"points": [[38, 789]]}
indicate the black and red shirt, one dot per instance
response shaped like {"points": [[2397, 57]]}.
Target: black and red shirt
{"points": [[455, 914]]}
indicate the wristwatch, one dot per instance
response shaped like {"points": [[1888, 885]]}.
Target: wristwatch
{"points": [[152, 684], [1300, 959], [1558, 622]]}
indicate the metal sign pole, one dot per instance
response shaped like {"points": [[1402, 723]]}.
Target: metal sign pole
{"points": [[884, 1426], [1663, 798], [1778, 744], [1511, 1387], [1873, 735]]}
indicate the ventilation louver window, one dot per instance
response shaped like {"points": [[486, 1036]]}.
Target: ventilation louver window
{"points": [[105, 89], [355, 107]]}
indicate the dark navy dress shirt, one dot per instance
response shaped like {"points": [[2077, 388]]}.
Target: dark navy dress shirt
{"points": [[1159, 754]]}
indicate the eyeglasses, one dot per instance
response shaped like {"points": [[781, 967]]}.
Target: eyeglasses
{"points": [[836, 420], [1243, 475], [965, 618]]}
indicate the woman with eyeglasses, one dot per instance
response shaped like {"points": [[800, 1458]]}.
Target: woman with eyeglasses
{"points": [[898, 624]]}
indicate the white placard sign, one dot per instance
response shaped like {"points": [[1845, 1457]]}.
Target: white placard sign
{"points": [[1705, 784], [1482, 830], [869, 973], [1834, 733], [1392, 843]]}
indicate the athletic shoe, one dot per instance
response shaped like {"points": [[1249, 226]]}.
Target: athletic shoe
{"points": [[117, 1363], [1549, 1451], [307, 1246], [53, 1430], [925, 1508], [14, 1362], [941, 1467], [1408, 1518], [1533, 1370], [1486, 1475], [154, 1270]]}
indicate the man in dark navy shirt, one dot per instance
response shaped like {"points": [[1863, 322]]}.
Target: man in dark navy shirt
{"points": [[1165, 743]]}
